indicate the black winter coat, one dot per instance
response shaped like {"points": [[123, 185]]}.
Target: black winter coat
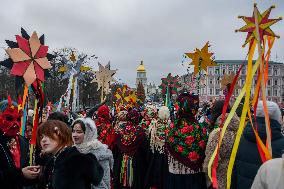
{"points": [[248, 159], [10, 176], [71, 170]]}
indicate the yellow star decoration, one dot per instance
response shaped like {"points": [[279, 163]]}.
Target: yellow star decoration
{"points": [[125, 97], [103, 77], [264, 24], [72, 57], [201, 59], [228, 79]]}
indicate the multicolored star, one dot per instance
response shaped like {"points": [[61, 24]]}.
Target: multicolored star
{"points": [[264, 24]]}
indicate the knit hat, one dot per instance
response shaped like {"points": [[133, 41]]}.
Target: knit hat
{"points": [[164, 113], [272, 108]]}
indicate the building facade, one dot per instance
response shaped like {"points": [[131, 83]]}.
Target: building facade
{"points": [[209, 82]]}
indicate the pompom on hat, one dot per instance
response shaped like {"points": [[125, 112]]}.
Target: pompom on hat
{"points": [[164, 113], [273, 110]]}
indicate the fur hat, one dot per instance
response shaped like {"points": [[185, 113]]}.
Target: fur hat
{"points": [[164, 113], [273, 110]]}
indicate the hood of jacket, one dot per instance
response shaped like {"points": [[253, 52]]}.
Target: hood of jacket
{"points": [[260, 123]]}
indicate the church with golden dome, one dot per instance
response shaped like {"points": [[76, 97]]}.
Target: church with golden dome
{"points": [[141, 76]]}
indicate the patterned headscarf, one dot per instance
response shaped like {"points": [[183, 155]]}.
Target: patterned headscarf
{"points": [[188, 105]]}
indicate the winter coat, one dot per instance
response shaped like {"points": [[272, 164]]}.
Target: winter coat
{"points": [[248, 160], [92, 145], [225, 150], [10, 176], [270, 175], [105, 158], [73, 170]]}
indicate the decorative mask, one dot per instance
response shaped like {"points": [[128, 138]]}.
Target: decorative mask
{"points": [[10, 118]]}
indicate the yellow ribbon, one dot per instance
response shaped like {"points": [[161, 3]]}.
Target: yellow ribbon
{"points": [[229, 118], [249, 77]]}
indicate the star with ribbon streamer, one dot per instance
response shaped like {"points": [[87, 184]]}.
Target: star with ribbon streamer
{"points": [[264, 24], [29, 58], [73, 66], [201, 59]]}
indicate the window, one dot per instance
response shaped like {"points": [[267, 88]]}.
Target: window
{"points": [[210, 81], [237, 92], [243, 82], [269, 71], [217, 91], [224, 71], [217, 71], [211, 91], [268, 92], [243, 71], [275, 93], [210, 71], [269, 82], [276, 82], [276, 71]]}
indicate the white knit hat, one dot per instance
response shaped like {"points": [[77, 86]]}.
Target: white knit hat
{"points": [[272, 108], [164, 113]]}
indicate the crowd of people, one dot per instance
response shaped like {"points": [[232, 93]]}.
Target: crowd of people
{"points": [[137, 148]]}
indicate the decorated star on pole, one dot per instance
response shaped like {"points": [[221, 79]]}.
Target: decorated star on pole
{"points": [[104, 76], [73, 66], [171, 82], [264, 24], [201, 59], [28, 57], [227, 81], [125, 97]]}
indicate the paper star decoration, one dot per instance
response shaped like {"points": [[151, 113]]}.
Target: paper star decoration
{"points": [[171, 82], [201, 59], [264, 24], [29, 57], [227, 81], [125, 97], [73, 66], [104, 77]]}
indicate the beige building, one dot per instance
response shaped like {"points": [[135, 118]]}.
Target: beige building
{"points": [[210, 82]]}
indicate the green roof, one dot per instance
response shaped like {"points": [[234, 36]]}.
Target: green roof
{"points": [[240, 62]]}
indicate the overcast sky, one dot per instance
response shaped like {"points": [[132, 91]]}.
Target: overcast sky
{"points": [[128, 31]]}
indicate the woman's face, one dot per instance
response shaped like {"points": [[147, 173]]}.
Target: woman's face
{"points": [[78, 134], [48, 145]]}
